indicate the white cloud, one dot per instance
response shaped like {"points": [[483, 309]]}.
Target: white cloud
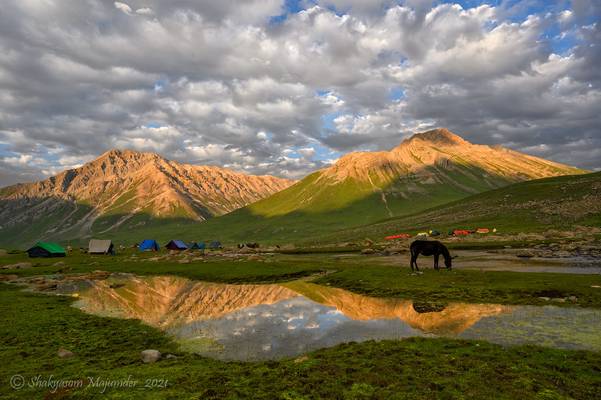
{"points": [[123, 7]]}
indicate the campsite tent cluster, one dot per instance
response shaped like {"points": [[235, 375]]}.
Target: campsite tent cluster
{"points": [[99, 246], [433, 232]]}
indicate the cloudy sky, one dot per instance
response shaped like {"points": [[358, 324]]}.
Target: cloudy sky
{"points": [[285, 87]]}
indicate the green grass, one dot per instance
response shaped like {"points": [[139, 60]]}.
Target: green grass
{"points": [[358, 274], [467, 285], [35, 326], [217, 270]]}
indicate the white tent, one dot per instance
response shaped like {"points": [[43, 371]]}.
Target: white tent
{"points": [[98, 246]]}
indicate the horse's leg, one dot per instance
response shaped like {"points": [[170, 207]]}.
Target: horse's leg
{"points": [[415, 262], [413, 257], [436, 262]]}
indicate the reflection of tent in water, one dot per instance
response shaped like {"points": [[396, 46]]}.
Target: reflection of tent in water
{"points": [[176, 245], [197, 246], [46, 249], [216, 244], [149, 244], [97, 246]]}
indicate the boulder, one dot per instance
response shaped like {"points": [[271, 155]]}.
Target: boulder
{"points": [[64, 353], [21, 265], [150, 356]]}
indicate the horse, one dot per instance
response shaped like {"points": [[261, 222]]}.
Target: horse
{"points": [[430, 248]]}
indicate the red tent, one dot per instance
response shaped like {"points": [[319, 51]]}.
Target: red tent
{"points": [[482, 230], [399, 236], [461, 232]]}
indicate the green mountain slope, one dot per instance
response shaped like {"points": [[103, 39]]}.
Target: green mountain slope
{"points": [[550, 203]]}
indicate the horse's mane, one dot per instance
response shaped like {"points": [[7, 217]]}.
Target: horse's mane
{"points": [[445, 252]]}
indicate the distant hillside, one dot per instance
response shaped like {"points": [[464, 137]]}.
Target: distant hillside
{"points": [[426, 170], [123, 192], [538, 205]]}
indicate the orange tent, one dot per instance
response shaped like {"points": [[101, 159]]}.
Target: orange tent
{"points": [[399, 236]]}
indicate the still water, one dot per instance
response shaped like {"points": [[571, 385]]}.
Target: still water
{"points": [[255, 322]]}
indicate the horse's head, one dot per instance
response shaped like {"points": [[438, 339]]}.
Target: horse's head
{"points": [[448, 261]]}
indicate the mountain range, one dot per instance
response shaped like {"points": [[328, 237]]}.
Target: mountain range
{"points": [[126, 190], [124, 194]]}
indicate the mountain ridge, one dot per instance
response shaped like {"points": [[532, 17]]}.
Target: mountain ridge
{"points": [[119, 185]]}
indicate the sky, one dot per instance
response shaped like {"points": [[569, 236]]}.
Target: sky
{"points": [[285, 87]]}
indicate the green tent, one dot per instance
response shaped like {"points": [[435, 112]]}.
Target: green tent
{"points": [[46, 249]]}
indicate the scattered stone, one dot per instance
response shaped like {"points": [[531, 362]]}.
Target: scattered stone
{"points": [[64, 353], [184, 261], [154, 259], [573, 299], [8, 277], [58, 264], [150, 356], [525, 254], [301, 359], [170, 356], [545, 298], [559, 300], [596, 286], [368, 251], [21, 265]]}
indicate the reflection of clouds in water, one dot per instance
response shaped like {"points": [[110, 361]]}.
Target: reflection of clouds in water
{"points": [[288, 328]]}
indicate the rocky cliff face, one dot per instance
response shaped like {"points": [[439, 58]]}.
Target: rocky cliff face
{"points": [[121, 184]]}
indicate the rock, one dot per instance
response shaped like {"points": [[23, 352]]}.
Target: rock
{"points": [[573, 299], [525, 254], [559, 300], [58, 264], [21, 265], [8, 277], [368, 251], [184, 261], [170, 356], [545, 298], [150, 356], [64, 353]]}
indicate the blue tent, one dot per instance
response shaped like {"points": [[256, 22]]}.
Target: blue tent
{"points": [[176, 245], [215, 245], [149, 244], [198, 246]]}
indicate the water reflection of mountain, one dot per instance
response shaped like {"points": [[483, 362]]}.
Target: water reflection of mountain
{"points": [[166, 301], [453, 319], [169, 301]]}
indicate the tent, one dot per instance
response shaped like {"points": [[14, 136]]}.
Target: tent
{"points": [[198, 246], [46, 249], [399, 236], [176, 245], [97, 246], [461, 232], [149, 244], [216, 244], [434, 232], [482, 230]]}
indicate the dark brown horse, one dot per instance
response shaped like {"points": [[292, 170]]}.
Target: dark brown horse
{"points": [[430, 248]]}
